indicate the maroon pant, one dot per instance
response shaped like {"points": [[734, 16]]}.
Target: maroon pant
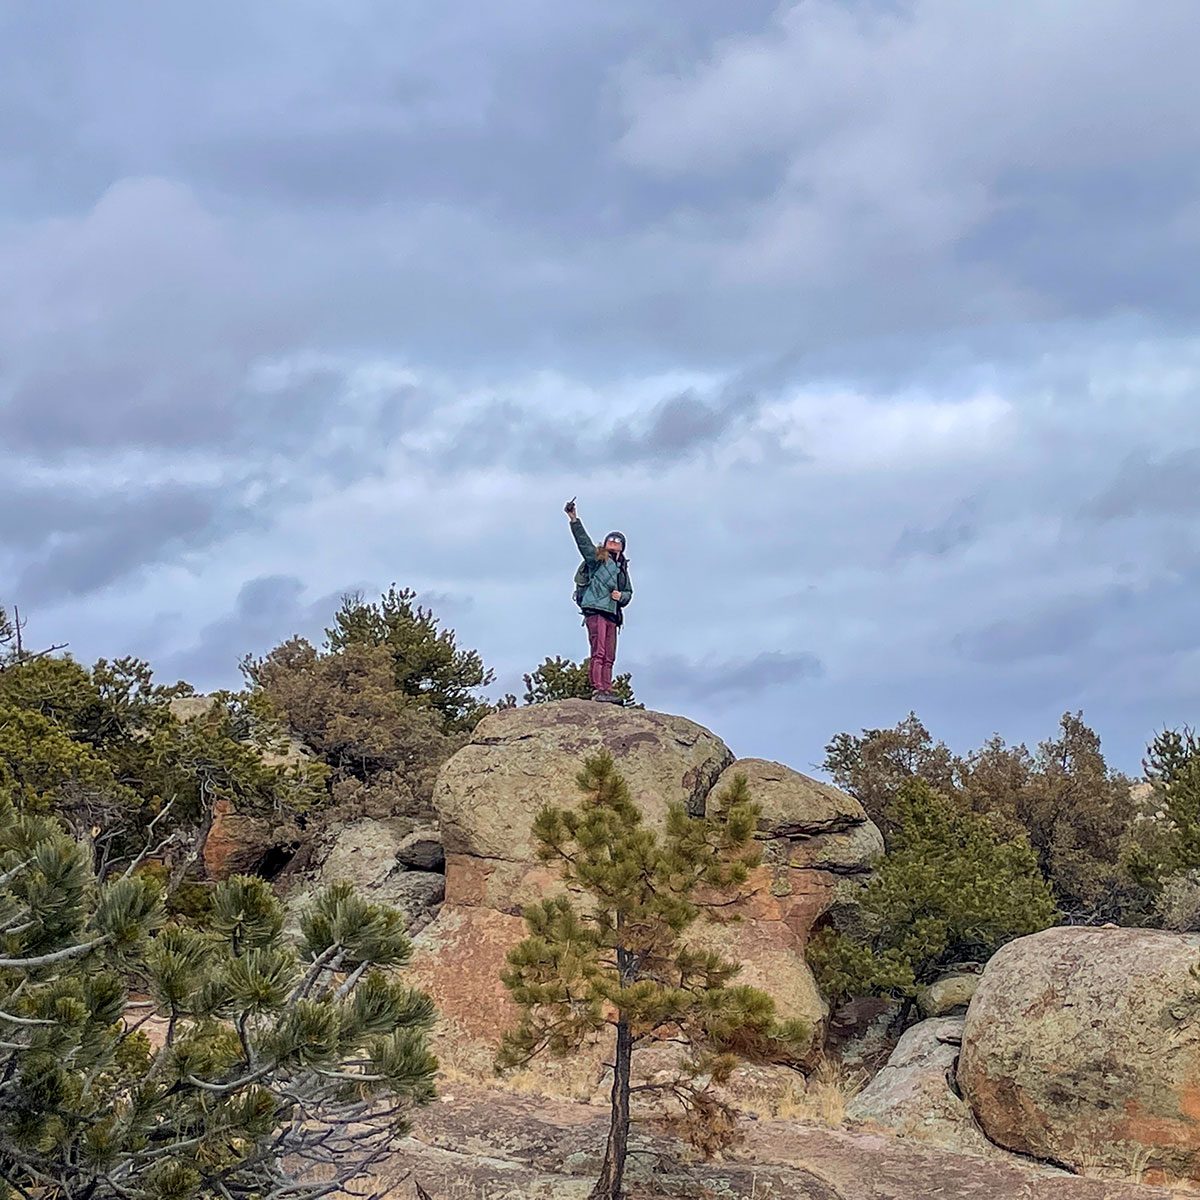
{"points": [[602, 638]]}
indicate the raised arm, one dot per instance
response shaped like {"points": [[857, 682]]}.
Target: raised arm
{"points": [[586, 546]]}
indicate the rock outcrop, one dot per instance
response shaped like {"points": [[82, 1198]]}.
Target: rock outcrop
{"points": [[485, 1142], [812, 835], [914, 1094], [948, 995], [1082, 1047], [486, 797], [240, 844], [394, 861], [487, 794], [519, 759]]}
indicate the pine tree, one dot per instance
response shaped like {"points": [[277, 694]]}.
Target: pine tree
{"points": [[428, 664], [273, 1070], [1074, 809], [561, 679], [950, 889], [612, 954], [1166, 844], [874, 765], [1077, 812]]}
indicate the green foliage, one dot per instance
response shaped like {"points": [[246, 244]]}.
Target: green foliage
{"points": [[102, 749], [384, 703], [1076, 813], [1167, 844], [875, 765], [271, 1067], [41, 764], [948, 890], [612, 951], [382, 746], [561, 679], [428, 665]]}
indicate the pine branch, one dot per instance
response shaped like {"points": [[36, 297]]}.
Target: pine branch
{"points": [[45, 960], [13, 1020]]}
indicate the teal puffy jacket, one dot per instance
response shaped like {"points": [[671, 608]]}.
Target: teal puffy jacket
{"points": [[604, 576]]}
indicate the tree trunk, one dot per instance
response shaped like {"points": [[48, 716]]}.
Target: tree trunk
{"points": [[612, 1170]]}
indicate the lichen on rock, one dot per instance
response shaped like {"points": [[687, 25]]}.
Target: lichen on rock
{"points": [[518, 760], [1082, 1047]]}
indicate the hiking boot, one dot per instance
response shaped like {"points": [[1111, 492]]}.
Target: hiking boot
{"points": [[600, 697], [609, 698]]}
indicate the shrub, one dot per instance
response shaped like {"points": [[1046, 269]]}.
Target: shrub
{"points": [[102, 749], [874, 765], [561, 679], [1076, 812], [949, 889], [383, 748], [428, 666]]}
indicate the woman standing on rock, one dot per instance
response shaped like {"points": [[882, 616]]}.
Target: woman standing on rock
{"points": [[602, 589]]}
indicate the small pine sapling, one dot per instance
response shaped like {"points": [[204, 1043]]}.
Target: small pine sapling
{"points": [[612, 954]]}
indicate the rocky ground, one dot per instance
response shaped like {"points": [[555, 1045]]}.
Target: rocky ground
{"points": [[483, 1144]]}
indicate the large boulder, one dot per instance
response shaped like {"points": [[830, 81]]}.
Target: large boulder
{"points": [[1082, 1047], [518, 760], [394, 861], [913, 1094], [813, 837], [807, 827], [486, 797], [793, 804]]}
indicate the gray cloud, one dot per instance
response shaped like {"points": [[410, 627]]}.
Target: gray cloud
{"points": [[507, 433], [136, 324], [679, 426], [358, 296], [957, 529], [1023, 193], [1062, 631], [72, 543], [426, 197], [1169, 485], [1119, 620], [726, 681], [266, 610]]}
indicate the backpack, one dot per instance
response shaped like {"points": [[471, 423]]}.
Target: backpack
{"points": [[582, 575]]}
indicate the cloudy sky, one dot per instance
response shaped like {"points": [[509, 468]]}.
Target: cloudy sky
{"points": [[872, 322]]}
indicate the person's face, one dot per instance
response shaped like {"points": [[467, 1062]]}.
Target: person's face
{"points": [[613, 546]]}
